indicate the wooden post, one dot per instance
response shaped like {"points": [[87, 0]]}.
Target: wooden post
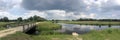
{"points": [[23, 28]]}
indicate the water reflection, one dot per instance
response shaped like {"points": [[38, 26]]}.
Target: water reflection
{"points": [[81, 29]]}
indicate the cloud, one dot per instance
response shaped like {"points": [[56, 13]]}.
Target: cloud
{"points": [[41, 5], [7, 14], [10, 8], [60, 14], [32, 13], [8, 4], [60, 9]]}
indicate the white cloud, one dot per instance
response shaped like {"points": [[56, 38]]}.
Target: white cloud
{"points": [[7, 14], [92, 7], [117, 2], [51, 14], [57, 14], [83, 15], [32, 13], [92, 15]]}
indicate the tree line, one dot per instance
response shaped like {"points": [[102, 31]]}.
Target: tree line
{"points": [[89, 19], [34, 18]]}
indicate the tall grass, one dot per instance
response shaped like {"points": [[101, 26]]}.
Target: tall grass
{"points": [[107, 34], [47, 28], [2, 24]]}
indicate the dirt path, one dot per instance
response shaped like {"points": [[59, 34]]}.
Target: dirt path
{"points": [[6, 32], [9, 31]]}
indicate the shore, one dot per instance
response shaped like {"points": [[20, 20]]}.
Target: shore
{"points": [[92, 22]]}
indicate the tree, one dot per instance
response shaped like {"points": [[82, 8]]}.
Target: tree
{"points": [[36, 18], [20, 19], [5, 19], [30, 19]]}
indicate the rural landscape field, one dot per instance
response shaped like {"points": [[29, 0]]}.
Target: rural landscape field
{"points": [[59, 20]]}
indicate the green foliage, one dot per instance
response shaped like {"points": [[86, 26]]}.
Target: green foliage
{"points": [[2, 24], [47, 26], [4, 19], [20, 19], [108, 34], [36, 18], [49, 33], [17, 36]]}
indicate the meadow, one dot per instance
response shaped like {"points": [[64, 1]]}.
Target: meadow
{"points": [[2, 24], [46, 33]]}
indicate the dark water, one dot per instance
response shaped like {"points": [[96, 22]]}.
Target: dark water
{"points": [[81, 29]]}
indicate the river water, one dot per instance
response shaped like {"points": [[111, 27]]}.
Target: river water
{"points": [[81, 29]]}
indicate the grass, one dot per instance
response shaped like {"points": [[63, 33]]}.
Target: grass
{"points": [[17, 36], [108, 34], [2, 24], [47, 28], [92, 22], [54, 37], [46, 33]]}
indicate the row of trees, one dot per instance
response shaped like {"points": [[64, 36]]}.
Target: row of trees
{"points": [[34, 18], [4, 19], [88, 19]]}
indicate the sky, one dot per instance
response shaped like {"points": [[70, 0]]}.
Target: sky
{"points": [[60, 9]]}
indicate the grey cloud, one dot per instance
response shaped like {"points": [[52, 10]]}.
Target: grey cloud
{"points": [[5, 5], [41, 5], [110, 6], [76, 6]]}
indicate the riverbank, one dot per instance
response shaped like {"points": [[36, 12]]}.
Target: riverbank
{"points": [[92, 22]]}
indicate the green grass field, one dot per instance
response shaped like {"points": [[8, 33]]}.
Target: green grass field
{"points": [[46, 33], [45, 26], [2, 24], [108, 34]]}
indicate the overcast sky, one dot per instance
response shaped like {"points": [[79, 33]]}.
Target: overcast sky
{"points": [[61, 9]]}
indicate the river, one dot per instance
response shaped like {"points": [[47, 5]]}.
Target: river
{"points": [[82, 29]]}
